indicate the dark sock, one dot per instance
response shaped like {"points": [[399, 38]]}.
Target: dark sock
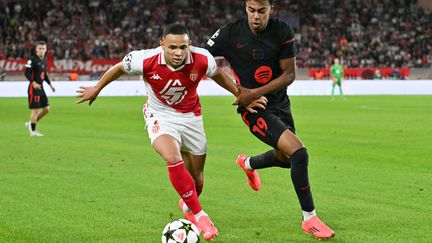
{"points": [[33, 126], [267, 159], [299, 176]]}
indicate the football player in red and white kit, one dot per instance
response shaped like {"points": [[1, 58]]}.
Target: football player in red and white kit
{"points": [[173, 112]]}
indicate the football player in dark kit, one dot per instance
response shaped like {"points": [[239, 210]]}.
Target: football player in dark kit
{"points": [[37, 100], [261, 53]]}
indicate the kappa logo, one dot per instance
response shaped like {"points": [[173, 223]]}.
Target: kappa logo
{"points": [[187, 194], [156, 77]]}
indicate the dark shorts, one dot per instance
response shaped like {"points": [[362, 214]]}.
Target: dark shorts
{"points": [[37, 98], [268, 125]]}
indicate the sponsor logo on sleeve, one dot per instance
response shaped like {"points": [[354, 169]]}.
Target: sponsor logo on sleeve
{"points": [[128, 61], [210, 42], [216, 34]]}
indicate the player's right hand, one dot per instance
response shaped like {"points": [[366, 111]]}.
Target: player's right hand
{"points": [[260, 102], [245, 97], [87, 94]]}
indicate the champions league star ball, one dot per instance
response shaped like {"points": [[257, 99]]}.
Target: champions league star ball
{"points": [[180, 231]]}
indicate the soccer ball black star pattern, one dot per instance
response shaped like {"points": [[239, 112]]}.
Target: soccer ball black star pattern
{"points": [[180, 231]]}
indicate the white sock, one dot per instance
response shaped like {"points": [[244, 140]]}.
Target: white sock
{"points": [[247, 164], [308, 215], [200, 214], [185, 208]]}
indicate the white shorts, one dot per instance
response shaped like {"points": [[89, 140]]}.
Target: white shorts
{"points": [[186, 128]]}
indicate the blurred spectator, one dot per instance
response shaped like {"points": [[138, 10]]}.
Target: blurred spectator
{"points": [[368, 74], [377, 75], [395, 74], [364, 33]]}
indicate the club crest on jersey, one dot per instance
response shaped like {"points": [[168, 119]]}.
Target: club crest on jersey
{"points": [[258, 53], [193, 76]]}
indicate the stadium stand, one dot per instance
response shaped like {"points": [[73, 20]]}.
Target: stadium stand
{"points": [[362, 33]]}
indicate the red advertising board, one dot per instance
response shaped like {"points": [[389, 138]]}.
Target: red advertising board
{"points": [[359, 72], [61, 66]]}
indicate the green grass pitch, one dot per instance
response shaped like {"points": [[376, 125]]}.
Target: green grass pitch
{"points": [[94, 177]]}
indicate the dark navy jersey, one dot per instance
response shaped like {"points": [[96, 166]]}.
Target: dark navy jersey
{"points": [[255, 58], [36, 70]]}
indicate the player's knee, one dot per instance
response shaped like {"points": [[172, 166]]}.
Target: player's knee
{"points": [[47, 109], [172, 159], [300, 158]]}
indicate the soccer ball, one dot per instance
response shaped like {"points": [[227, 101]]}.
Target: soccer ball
{"points": [[180, 231]]}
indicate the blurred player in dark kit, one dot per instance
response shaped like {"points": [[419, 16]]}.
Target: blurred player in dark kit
{"points": [[37, 99]]}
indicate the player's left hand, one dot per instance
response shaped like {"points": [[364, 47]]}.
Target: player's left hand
{"points": [[246, 97], [87, 94], [52, 88], [261, 103]]}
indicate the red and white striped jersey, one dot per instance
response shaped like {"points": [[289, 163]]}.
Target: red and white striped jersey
{"points": [[168, 88]]}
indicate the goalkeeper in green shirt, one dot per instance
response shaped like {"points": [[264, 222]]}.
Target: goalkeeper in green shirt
{"points": [[337, 74]]}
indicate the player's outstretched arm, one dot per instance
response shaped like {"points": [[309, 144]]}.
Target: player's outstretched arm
{"points": [[225, 82], [282, 82], [90, 93]]}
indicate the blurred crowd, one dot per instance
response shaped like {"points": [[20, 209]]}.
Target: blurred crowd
{"points": [[362, 33]]}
